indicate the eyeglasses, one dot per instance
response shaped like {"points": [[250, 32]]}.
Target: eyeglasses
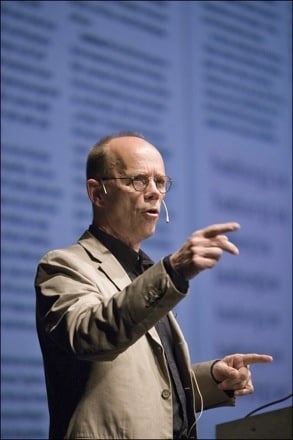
{"points": [[140, 182]]}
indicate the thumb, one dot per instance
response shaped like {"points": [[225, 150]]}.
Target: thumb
{"points": [[222, 371]]}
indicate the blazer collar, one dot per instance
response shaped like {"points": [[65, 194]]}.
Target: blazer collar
{"points": [[106, 262]]}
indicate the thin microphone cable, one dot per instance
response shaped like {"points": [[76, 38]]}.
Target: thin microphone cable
{"points": [[268, 404], [201, 408]]}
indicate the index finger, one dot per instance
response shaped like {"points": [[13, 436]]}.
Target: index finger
{"points": [[253, 358], [220, 228]]}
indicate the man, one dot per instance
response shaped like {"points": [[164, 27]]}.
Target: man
{"points": [[116, 363]]}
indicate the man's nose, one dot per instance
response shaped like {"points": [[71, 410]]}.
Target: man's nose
{"points": [[151, 189], [152, 185]]}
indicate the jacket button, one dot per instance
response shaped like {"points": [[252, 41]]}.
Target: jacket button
{"points": [[166, 394]]}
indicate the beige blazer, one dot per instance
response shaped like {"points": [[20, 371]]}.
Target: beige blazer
{"points": [[105, 371]]}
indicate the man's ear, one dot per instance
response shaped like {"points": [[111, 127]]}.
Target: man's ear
{"points": [[96, 191]]}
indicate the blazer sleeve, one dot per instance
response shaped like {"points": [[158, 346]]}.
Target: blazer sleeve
{"points": [[205, 386], [90, 313]]}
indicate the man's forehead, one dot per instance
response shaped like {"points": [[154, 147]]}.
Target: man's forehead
{"points": [[128, 142], [136, 157], [132, 148]]}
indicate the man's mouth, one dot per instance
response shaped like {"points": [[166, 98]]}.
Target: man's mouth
{"points": [[152, 212]]}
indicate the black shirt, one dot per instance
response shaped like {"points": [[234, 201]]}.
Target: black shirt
{"points": [[134, 264]]}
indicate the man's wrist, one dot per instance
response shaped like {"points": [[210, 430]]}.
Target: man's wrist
{"points": [[230, 393], [179, 282], [212, 373]]}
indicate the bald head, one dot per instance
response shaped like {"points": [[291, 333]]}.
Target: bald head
{"points": [[115, 152]]}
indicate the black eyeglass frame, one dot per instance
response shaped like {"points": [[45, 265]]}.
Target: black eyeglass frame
{"points": [[145, 180]]}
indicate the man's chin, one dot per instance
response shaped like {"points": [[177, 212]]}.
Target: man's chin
{"points": [[150, 233]]}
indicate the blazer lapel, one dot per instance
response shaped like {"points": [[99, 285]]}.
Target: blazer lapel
{"points": [[106, 262], [178, 336], [179, 339]]}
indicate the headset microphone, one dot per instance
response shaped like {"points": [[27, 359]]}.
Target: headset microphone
{"points": [[166, 210], [104, 188]]}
